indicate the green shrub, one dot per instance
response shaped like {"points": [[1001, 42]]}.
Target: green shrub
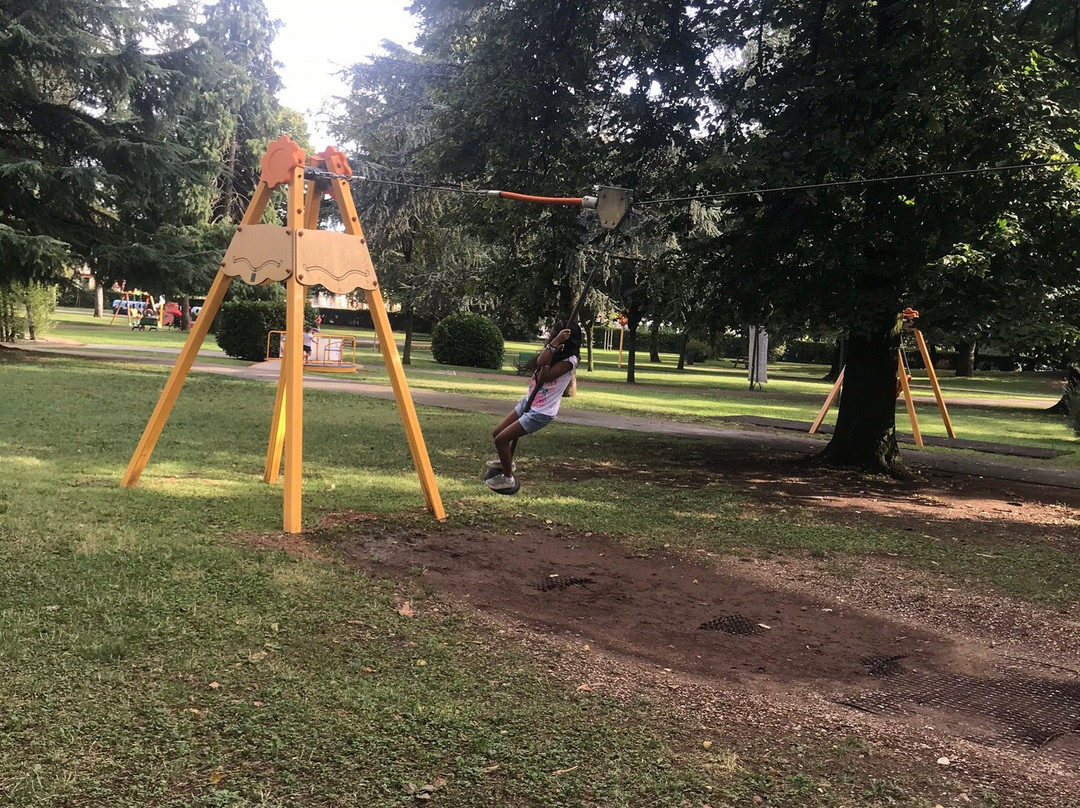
{"points": [[730, 345], [808, 351], [697, 351], [23, 305], [467, 339], [243, 325], [1072, 398]]}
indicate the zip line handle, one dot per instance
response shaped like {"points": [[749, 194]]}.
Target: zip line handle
{"points": [[582, 201], [611, 204]]}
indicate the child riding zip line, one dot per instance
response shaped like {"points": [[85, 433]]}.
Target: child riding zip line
{"points": [[555, 367]]}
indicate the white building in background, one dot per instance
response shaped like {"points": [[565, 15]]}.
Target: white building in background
{"points": [[325, 300]]}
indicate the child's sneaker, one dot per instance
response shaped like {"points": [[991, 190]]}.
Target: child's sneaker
{"points": [[501, 483], [497, 464]]}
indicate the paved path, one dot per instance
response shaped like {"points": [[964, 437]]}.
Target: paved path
{"points": [[758, 436]]}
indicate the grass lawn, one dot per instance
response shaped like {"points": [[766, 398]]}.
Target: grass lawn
{"points": [[703, 393], [154, 652]]}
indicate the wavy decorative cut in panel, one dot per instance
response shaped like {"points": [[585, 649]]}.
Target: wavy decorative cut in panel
{"points": [[340, 262], [259, 254]]}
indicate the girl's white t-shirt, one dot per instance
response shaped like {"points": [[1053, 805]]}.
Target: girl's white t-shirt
{"points": [[550, 396]]}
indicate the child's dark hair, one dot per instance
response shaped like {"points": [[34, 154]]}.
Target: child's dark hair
{"points": [[572, 347]]}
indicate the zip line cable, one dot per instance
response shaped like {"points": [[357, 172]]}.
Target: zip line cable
{"points": [[867, 181], [319, 174], [587, 201]]}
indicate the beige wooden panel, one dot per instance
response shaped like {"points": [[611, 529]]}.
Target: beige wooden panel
{"points": [[338, 261], [259, 254]]}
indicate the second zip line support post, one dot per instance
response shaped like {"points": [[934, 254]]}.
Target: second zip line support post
{"points": [[910, 318]]}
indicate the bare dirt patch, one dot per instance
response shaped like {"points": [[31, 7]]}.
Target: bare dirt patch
{"points": [[957, 689]]}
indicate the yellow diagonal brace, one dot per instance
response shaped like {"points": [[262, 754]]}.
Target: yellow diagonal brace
{"points": [[276, 443], [339, 189], [199, 329], [293, 366], [901, 373], [932, 375]]}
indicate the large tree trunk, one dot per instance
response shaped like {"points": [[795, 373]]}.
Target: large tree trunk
{"points": [[633, 321], [1072, 391], [7, 319], [590, 329], [99, 299], [839, 357], [654, 340], [31, 326], [684, 339], [965, 358], [865, 435], [406, 353]]}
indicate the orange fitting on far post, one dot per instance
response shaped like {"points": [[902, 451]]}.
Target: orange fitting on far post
{"points": [[282, 156], [333, 160]]}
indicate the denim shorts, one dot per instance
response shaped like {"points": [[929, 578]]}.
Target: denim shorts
{"points": [[531, 421]]}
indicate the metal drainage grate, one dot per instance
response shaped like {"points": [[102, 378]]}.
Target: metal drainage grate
{"points": [[733, 624], [881, 665], [1014, 711], [555, 581]]}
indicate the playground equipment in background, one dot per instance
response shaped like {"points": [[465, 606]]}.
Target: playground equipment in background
{"points": [[145, 320], [172, 315], [301, 256], [131, 304], [903, 381], [330, 353]]}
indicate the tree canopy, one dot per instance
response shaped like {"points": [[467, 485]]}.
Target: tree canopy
{"points": [[127, 131], [693, 104]]}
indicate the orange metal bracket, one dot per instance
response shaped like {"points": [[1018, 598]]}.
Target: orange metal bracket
{"points": [[610, 204]]}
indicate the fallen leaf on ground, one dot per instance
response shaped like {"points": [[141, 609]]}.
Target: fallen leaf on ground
{"points": [[216, 776], [406, 610], [494, 767], [214, 685], [564, 771]]}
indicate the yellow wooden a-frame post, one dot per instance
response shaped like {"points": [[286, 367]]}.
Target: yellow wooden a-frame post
{"points": [[300, 255]]}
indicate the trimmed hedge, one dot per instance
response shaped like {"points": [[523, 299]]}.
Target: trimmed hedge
{"points": [[467, 339], [697, 352], [361, 318], [810, 352], [244, 324]]}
